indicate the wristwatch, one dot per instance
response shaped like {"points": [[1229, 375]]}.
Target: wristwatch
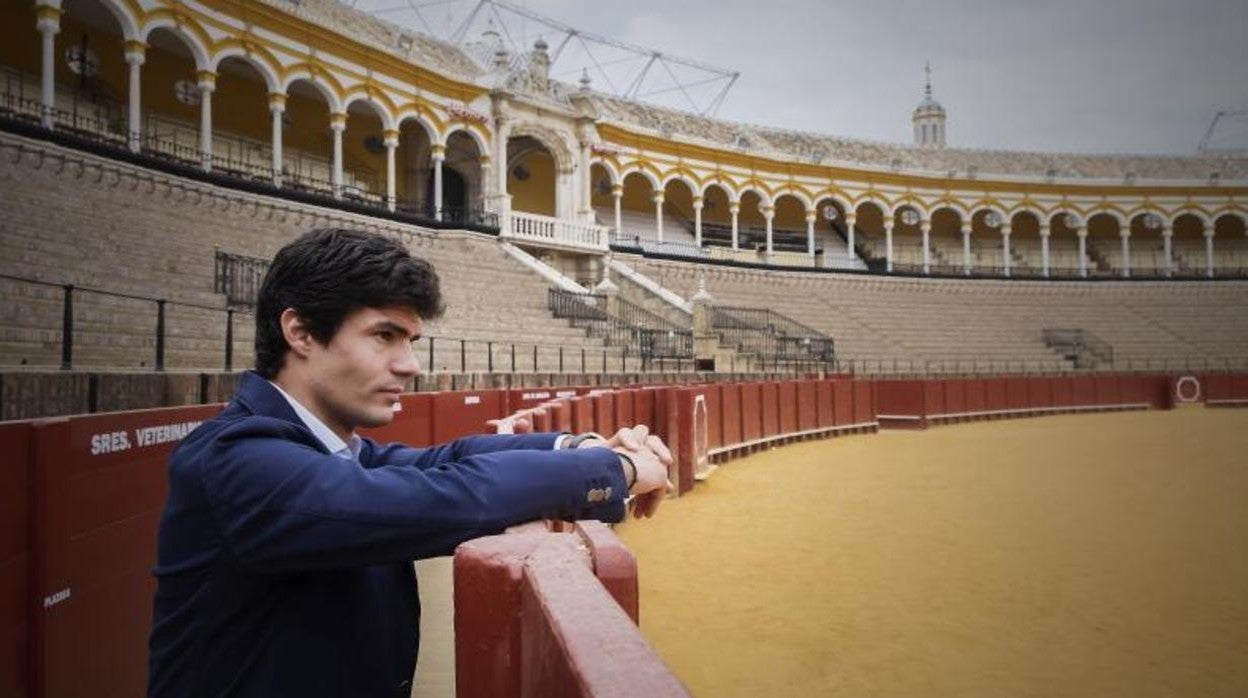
{"points": [[576, 441]]}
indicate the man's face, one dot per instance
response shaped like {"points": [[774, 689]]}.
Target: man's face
{"points": [[355, 380]]}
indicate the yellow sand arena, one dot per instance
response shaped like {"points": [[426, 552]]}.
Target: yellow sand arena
{"points": [[1099, 555]]}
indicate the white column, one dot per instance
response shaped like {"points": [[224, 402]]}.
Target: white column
{"points": [[207, 83], [135, 53], [390, 138], [617, 193], [697, 220], [1044, 249], [1209, 252], [810, 234], [277, 107], [337, 124], [769, 216], [1124, 235], [485, 163], [1082, 232], [49, 24], [888, 244], [1006, 265], [586, 188], [966, 248], [657, 198], [925, 227], [438, 156], [851, 219], [734, 208], [502, 131], [1167, 233]]}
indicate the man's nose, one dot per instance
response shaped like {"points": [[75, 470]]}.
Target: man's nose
{"points": [[407, 364]]}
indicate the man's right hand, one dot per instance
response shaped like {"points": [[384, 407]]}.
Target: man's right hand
{"points": [[651, 459]]}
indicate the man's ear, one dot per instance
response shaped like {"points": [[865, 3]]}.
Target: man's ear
{"points": [[295, 331]]}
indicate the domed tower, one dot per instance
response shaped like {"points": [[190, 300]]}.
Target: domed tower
{"points": [[929, 119]]}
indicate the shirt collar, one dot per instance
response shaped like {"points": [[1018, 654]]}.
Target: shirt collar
{"points": [[349, 449]]}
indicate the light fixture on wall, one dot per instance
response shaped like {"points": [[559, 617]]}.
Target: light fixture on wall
{"points": [[374, 144], [187, 92], [82, 60], [521, 173]]}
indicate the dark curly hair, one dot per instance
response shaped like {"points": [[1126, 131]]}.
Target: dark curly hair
{"points": [[329, 273]]}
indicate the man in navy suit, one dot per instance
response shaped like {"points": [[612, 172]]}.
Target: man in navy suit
{"points": [[284, 561]]}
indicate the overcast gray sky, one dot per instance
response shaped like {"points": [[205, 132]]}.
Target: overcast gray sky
{"points": [[1058, 75]]}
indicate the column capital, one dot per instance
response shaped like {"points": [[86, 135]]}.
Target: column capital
{"points": [[338, 121], [48, 19], [657, 197], [1208, 232], [851, 218], [617, 190], [277, 102], [769, 212], [889, 222], [734, 207], [966, 228], [812, 216], [1082, 231], [925, 226], [437, 151], [136, 52], [1124, 232], [1006, 230], [1045, 231], [390, 138], [1167, 230], [697, 202], [206, 79]]}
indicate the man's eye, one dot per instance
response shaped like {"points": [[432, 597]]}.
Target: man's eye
{"points": [[386, 336]]}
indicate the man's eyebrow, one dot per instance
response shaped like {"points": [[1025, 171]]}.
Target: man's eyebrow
{"points": [[397, 328]]}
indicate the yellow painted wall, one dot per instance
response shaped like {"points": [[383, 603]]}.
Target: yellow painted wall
{"points": [[537, 193]]}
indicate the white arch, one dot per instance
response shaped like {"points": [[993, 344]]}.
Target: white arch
{"points": [[1242, 216], [875, 203], [612, 172], [128, 22], [482, 146], [841, 202], [1026, 211], [801, 197], [327, 91], [384, 114], [636, 168], [551, 139], [198, 52], [1201, 216], [980, 208], [764, 201], [430, 130], [964, 216], [1112, 213], [729, 192], [681, 177], [271, 81]]}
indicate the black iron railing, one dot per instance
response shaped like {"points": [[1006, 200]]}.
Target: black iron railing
{"points": [[770, 335]]}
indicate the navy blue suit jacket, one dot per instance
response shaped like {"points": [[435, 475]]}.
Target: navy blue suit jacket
{"points": [[286, 571]]}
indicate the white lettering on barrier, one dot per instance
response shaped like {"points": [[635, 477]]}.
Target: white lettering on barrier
{"points": [[53, 599], [542, 395], [565, 393], [117, 441], [472, 400]]}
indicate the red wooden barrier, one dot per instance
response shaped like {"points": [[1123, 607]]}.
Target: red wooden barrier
{"points": [[1083, 390], [1016, 395], [582, 414], [624, 408], [825, 405], [15, 444], [1107, 390], [1039, 393], [715, 426], [995, 397], [604, 412], [900, 403], [1219, 388], [1133, 390], [694, 428], [864, 402], [807, 407], [786, 397], [976, 395], [464, 412], [533, 612], [955, 396], [643, 407], [99, 487], [751, 411], [1240, 385], [934, 398], [1063, 388], [412, 425], [843, 401], [730, 414], [770, 409]]}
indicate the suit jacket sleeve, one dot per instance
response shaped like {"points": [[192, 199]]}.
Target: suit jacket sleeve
{"points": [[373, 455], [282, 505]]}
